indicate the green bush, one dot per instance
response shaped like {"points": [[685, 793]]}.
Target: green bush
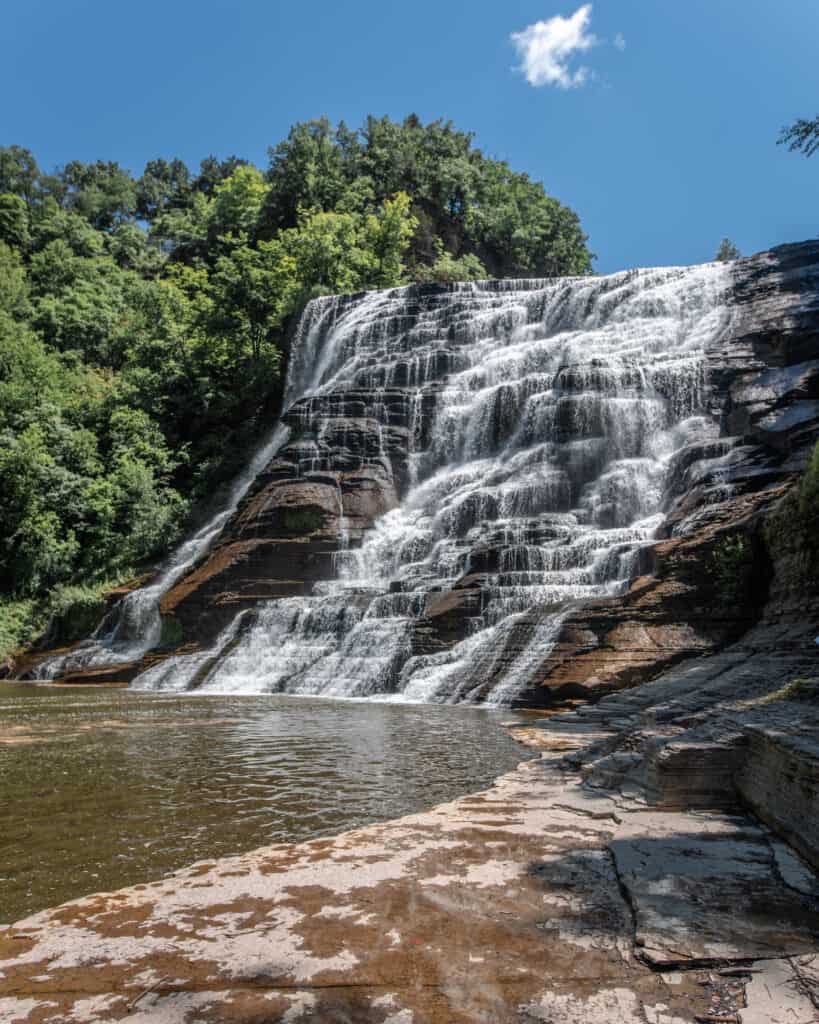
{"points": [[75, 611], [732, 564], [19, 625], [65, 615]]}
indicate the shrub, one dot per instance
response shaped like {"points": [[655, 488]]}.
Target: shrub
{"points": [[732, 564]]}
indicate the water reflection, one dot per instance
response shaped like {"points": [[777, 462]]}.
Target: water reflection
{"points": [[104, 788]]}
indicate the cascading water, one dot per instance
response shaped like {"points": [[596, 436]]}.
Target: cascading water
{"points": [[134, 625], [541, 421]]}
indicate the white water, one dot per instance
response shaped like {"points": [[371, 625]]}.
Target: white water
{"points": [[134, 625], [558, 407]]}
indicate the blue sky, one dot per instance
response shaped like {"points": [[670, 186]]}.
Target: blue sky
{"points": [[663, 144]]}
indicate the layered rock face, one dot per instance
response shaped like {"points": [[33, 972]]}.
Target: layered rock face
{"points": [[511, 491], [732, 556]]}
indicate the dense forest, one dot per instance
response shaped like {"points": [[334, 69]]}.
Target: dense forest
{"points": [[143, 320]]}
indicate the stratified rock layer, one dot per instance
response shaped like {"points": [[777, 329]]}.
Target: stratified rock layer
{"points": [[721, 568]]}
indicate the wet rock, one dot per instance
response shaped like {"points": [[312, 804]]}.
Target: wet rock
{"points": [[537, 900]]}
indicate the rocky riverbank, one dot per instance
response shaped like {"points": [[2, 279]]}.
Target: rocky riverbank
{"points": [[620, 878]]}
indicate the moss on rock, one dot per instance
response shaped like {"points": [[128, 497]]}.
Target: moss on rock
{"points": [[172, 633], [302, 520]]}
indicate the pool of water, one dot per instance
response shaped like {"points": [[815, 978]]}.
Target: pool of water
{"points": [[101, 788]]}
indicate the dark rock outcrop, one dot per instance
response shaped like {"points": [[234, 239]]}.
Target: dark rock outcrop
{"points": [[321, 492]]}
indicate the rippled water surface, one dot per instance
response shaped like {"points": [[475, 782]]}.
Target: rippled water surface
{"points": [[105, 788]]}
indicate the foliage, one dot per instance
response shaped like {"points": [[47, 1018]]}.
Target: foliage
{"points": [[447, 269], [797, 689], [802, 136], [142, 320], [19, 625], [727, 251], [732, 566], [73, 612], [809, 486], [471, 203], [65, 614]]}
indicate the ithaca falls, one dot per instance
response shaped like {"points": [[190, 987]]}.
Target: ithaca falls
{"points": [[456, 466], [579, 500]]}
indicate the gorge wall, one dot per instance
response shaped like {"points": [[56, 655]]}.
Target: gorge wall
{"points": [[513, 491]]}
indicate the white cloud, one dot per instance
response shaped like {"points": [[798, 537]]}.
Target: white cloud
{"points": [[620, 42], [546, 47]]}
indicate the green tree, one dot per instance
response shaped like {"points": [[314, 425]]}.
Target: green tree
{"points": [[237, 203], [212, 171], [185, 230], [53, 223], [103, 193], [252, 291], [447, 269], [727, 251], [387, 236], [14, 227], [14, 286], [19, 173], [306, 172], [163, 185]]}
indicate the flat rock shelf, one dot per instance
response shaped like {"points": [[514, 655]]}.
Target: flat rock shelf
{"points": [[539, 899]]}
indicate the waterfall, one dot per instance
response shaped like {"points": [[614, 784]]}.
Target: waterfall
{"points": [[134, 626], [541, 421]]}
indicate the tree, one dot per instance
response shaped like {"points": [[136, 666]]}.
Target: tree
{"points": [[14, 221], [727, 251], [102, 192], [14, 286], [212, 171], [387, 235], [237, 203], [447, 270], [52, 223], [252, 291], [185, 230], [19, 173], [802, 136], [163, 185], [306, 172]]}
